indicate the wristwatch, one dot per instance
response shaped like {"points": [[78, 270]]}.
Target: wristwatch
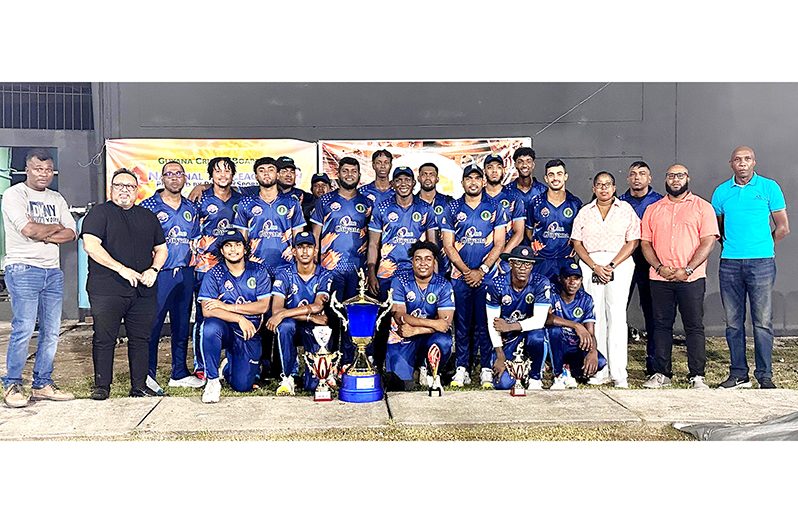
{"points": [[688, 270], [156, 269], [484, 268], [611, 265]]}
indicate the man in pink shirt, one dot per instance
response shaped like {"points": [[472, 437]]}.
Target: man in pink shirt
{"points": [[678, 233]]}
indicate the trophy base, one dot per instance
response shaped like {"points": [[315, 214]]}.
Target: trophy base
{"points": [[436, 389], [322, 395], [517, 392], [360, 388]]}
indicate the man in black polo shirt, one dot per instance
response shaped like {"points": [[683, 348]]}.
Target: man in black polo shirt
{"points": [[126, 248]]}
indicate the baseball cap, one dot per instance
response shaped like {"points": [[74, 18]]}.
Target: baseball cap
{"points": [[570, 267], [472, 168], [304, 238], [520, 252], [285, 161], [320, 177], [492, 158], [231, 235], [402, 171]]}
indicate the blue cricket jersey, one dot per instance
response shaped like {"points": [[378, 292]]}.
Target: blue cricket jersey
{"points": [[376, 196], [516, 305], [551, 225], [270, 227], [400, 228], [215, 216], [254, 284], [298, 291], [579, 311], [179, 228], [344, 230], [425, 303], [439, 203], [473, 229]]}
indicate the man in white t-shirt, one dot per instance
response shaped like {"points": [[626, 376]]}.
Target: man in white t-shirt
{"points": [[35, 220]]}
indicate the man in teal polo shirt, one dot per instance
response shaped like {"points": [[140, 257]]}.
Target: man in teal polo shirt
{"points": [[745, 205]]}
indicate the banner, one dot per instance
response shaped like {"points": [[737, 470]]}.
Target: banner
{"points": [[450, 156], [146, 157]]}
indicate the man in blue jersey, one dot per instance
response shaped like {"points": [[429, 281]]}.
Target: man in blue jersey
{"points": [[428, 183], [299, 293], [320, 185], [549, 220], [473, 228], [525, 187], [571, 330], [423, 307], [234, 296], [216, 207], [513, 206], [381, 188], [640, 195], [518, 304], [175, 282], [340, 226], [286, 182]]}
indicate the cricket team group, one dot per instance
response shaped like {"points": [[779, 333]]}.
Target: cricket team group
{"points": [[518, 270]]}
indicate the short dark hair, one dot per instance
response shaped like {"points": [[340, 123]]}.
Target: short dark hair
{"points": [[428, 164], [224, 160], [265, 160], [163, 169], [123, 170], [555, 163], [523, 151], [423, 245], [381, 152], [639, 163], [348, 160], [600, 173], [40, 154]]}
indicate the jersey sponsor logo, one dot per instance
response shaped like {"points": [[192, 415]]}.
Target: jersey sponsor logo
{"points": [[439, 209], [485, 215], [188, 216], [403, 236], [277, 283], [578, 312], [257, 210], [347, 225], [269, 230], [410, 296], [506, 300], [222, 226], [252, 282], [294, 289], [335, 206], [162, 216], [473, 236], [556, 232], [176, 236], [235, 208], [461, 217], [530, 298], [418, 313], [432, 298], [213, 209], [359, 208], [416, 216], [282, 210], [228, 285], [516, 316], [392, 216], [568, 212], [544, 212]]}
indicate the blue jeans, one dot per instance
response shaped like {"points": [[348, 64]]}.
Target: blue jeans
{"points": [[33, 291], [755, 278]]}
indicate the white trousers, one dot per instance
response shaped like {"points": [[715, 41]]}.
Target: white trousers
{"points": [[610, 309]]}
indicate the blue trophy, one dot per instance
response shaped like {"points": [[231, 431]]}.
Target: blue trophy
{"points": [[360, 315]]}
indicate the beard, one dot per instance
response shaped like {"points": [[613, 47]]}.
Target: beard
{"points": [[677, 192], [347, 186], [263, 183]]}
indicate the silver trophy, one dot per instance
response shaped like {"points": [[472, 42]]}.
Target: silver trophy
{"points": [[323, 364], [518, 369]]}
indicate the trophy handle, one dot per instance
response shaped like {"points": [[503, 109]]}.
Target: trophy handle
{"points": [[388, 303], [335, 305]]}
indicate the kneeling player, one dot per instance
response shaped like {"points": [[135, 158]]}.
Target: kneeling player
{"points": [[516, 301], [573, 343], [300, 291], [423, 307], [234, 296]]}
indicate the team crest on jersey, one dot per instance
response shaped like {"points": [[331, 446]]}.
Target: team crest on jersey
{"points": [[252, 282], [213, 209], [187, 216], [410, 296], [485, 215], [439, 209], [461, 217], [530, 298], [228, 285], [359, 208], [257, 211], [506, 300], [162, 216], [568, 212], [578, 312], [282, 210], [335, 206], [432, 298], [392, 216], [505, 203], [544, 212], [416, 216], [294, 289]]}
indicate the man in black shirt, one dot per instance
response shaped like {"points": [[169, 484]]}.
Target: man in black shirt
{"points": [[126, 248]]}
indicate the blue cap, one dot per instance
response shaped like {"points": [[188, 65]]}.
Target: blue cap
{"points": [[285, 161], [320, 177], [231, 235], [403, 171], [570, 267], [472, 168], [304, 238], [492, 158]]}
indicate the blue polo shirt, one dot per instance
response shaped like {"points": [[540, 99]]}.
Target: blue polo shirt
{"points": [[640, 204], [746, 213]]}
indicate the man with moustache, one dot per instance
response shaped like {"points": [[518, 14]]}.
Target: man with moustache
{"points": [[640, 195], [678, 234], [513, 207], [744, 206], [428, 183], [381, 188], [127, 249], [286, 182], [175, 282], [525, 187]]}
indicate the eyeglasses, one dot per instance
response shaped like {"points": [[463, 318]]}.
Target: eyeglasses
{"points": [[608, 185], [173, 174], [676, 176], [521, 264], [124, 186]]}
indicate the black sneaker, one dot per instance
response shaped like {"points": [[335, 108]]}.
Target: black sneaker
{"points": [[736, 383], [143, 393], [766, 383], [100, 394]]}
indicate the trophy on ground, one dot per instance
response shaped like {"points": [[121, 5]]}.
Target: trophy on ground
{"points": [[518, 369], [361, 316], [433, 379], [323, 364]]}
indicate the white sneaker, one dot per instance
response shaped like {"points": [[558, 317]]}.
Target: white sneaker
{"points": [[486, 378], [534, 384], [154, 387], [621, 384], [599, 381], [422, 376], [286, 387], [190, 381], [559, 383], [697, 382], [461, 377], [211, 392], [570, 381]]}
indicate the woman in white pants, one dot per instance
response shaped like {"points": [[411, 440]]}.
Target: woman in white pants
{"points": [[605, 233]]}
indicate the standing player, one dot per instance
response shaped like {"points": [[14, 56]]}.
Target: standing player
{"points": [[217, 207], [234, 296], [525, 187], [423, 307], [319, 186], [286, 182], [549, 220], [511, 298], [428, 182], [299, 292], [380, 189], [513, 206], [473, 228], [175, 282], [340, 226]]}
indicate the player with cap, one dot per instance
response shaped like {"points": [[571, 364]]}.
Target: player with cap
{"points": [[549, 220], [299, 293], [319, 186], [340, 223], [381, 188], [234, 296], [518, 304], [570, 324], [428, 191], [473, 229], [513, 206], [525, 187], [286, 182], [423, 307]]}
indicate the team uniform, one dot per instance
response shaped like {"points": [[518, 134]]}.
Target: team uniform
{"points": [[513, 208], [514, 306], [175, 282], [376, 196], [306, 201], [215, 216], [242, 355], [405, 354], [298, 292], [551, 231], [564, 341], [517, 195], [343, 244], [439, 203], [473, 231]]}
